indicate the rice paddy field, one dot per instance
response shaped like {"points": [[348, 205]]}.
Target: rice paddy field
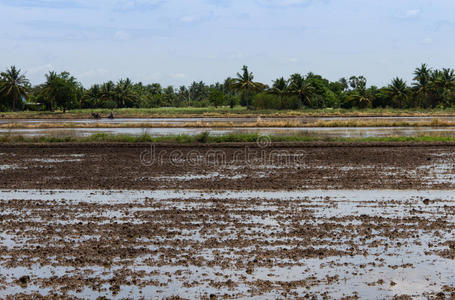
{"points": [[153, 208]]}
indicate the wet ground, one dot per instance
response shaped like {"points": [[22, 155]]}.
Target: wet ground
{"points": [[321, 132], [227, 221], [220, 119]]}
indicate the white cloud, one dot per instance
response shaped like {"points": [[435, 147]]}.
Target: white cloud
{"points": [[412, 13], [93, 73], [178, 75], [40, 69], [122, 35], [283, 3]]}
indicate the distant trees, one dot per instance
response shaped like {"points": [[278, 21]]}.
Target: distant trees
{"points": [[245, 85], [398, 91], [302, 88], [14, 87], [60, 91], [430, 88]]}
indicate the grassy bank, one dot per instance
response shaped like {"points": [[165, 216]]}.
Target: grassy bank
{"points": [[172, 112], [259, 123], [205, 138]]}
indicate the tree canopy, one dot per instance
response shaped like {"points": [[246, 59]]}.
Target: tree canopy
{"points": [[430, 88]]}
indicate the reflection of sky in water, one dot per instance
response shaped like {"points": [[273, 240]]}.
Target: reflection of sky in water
{"points": [[315, 132]]}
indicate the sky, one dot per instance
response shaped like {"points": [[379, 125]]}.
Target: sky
{"points": [[175, 42]]}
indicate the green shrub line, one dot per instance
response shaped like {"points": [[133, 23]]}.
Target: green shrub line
{"points": [[206, 138], [169, 112]]}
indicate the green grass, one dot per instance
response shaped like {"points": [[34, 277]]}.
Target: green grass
{"points": [[226, 112], [205, 138]]}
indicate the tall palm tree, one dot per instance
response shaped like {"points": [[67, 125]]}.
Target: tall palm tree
{"points": [[423, 82], [447, 84], [280, 88], [302, 88], [398, 91], [244, 83], [123, 93], [14, 84]]}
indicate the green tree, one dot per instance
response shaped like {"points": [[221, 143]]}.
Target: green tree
{"points": [[302, 88], [398, 91], [14, 86], [244, 84], [216, 97], [422, 85], [60, 90], [280, 89], [124, 94]]}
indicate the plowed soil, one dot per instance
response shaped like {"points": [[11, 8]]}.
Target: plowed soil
{"points": [[221, 167]]}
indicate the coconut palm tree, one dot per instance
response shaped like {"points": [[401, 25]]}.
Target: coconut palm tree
{"points": [[302, 88], [398, 91], [280, 89], [244, 83], [422, 85], [15, 85], [124, 94]]}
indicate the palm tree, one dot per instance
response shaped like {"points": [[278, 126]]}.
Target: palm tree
{"points": [[398, 91], [124, 94], [244, 83], [360, 99], [423, 82], [280, 89], [302, 88], [14, 84]]}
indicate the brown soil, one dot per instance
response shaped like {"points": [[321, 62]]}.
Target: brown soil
{"points": [[236, 166], [209, 248]]}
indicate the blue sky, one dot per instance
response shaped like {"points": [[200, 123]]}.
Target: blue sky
{"points": [[176, 41]]}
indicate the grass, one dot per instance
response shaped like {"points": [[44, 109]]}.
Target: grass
{"points": [[253, 124], [179, 112], [205, 138]]}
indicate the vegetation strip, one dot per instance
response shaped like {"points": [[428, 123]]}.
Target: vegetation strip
{"points": [[205, 138], [431, 88], [226, 112], [258, 124]]}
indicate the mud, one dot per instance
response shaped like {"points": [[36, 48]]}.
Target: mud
{"points": [[333, 244], [321, 220], [232, 167]]}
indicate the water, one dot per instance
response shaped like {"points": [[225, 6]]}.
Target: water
{"points": [[323, 132]]}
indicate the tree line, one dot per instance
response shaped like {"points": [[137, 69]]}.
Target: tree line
{"points": [[431, 88]]}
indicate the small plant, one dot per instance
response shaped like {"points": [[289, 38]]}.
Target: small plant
{"points": [[203, 137]]}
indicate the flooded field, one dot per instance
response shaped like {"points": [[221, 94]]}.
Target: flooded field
{"points": [[219, 119], [322, 132], [278, 221], [199, 244]]}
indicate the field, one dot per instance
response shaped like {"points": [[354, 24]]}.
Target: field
{"points": [[200, 219], [169, 112]]}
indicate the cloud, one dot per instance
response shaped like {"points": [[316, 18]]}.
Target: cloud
{"points": [[178, 75], [99, 72], [283, 3], [45, 3], [411, 13], [40, 69], [122, 35], [128, 5]]}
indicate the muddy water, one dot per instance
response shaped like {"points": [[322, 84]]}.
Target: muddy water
{"points": [[212, 120], [343, 132], [265, 244]]}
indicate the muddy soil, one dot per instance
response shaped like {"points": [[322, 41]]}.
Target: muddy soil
{"points": [[227, 221], [233, 167], [86, 244]]}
